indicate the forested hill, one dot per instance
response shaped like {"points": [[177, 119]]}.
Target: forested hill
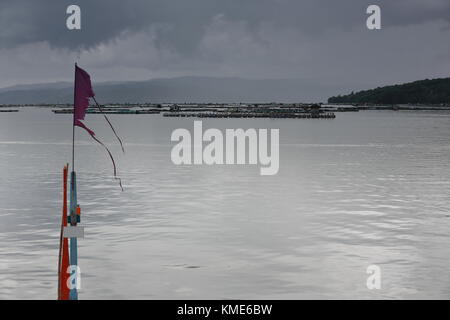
{"points": [[421, 92]]}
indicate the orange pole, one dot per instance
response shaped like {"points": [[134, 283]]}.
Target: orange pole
{"points": [[63, 262]]}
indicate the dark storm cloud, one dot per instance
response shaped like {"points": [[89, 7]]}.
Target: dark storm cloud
{"points": [[323, 40], [180, 24]]}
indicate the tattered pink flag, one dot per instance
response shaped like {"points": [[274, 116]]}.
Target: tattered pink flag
{"points": [[84, 91]]}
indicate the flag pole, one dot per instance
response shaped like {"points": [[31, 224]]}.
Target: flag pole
{"points": [[73, 203], [73, 124]]}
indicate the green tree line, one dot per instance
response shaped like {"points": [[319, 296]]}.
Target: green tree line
{"points": [[434, 91]]}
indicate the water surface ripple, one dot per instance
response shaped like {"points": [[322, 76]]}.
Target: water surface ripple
{"points": [[365, 188]]}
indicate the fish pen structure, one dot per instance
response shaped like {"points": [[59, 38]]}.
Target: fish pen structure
{"points": [[328, 115]]}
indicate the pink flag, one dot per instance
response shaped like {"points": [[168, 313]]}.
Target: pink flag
{"points": [[83, 91]]}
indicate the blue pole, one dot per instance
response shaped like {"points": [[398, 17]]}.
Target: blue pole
{"points": [[73, 241], [73, 203]]}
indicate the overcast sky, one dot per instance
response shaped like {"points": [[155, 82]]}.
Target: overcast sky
{"points": [[321, 40]]}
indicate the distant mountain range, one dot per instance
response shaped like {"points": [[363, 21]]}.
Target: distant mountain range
{"points": [[178, 90], [433, 91]]}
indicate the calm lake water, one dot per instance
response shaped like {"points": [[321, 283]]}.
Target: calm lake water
{"points": [[365, 188]]}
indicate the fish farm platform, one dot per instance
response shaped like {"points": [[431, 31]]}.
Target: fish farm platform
{"points": [[328, 115]]}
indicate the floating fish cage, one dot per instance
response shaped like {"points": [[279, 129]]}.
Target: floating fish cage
{"points": [[110, 111], [328, 115]]}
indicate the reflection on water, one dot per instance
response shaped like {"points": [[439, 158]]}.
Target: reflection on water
{"points": [[365, 188]]}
